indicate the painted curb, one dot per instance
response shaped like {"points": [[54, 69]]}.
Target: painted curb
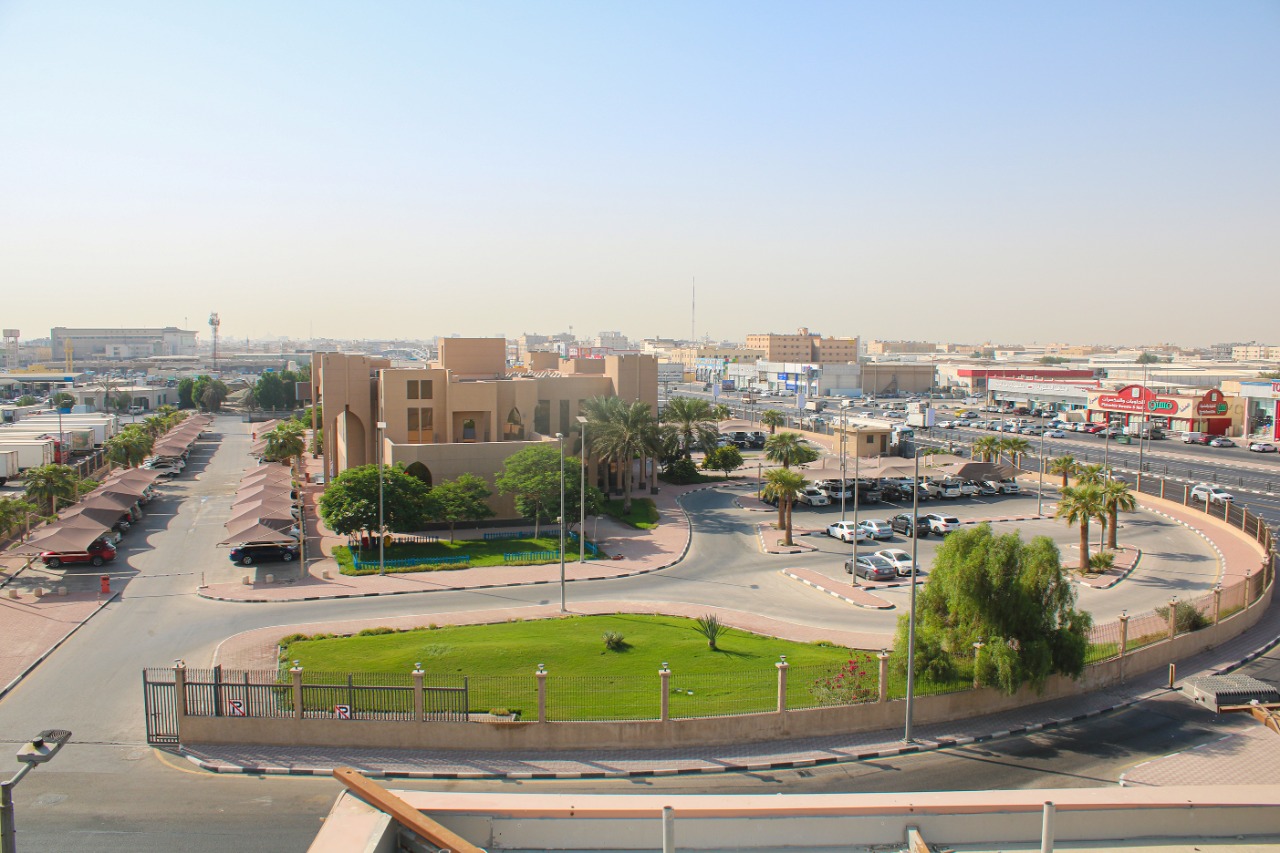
{"points": [[885, 606]]}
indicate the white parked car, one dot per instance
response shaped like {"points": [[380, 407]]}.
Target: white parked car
{"points": [[812, 497], [876, 528], [1211, 494], [1262, 447], [845, 531], [1054, 433], [901, 560], [942, 524]]}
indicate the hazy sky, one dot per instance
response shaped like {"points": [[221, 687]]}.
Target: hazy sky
{"points": [[1085, 171]]}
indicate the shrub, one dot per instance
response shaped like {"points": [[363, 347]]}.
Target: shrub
{"points": [[293, 638], [1186, 618], [374, 632], [848, 685], [1102, 561], [681, 471], [710, 626], [614, 642]]}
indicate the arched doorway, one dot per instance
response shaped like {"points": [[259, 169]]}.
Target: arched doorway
{"points": [[468, 430], [513, 430], [351, 439], [422, 472]]}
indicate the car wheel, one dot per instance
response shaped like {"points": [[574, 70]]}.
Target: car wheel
{"points": [[847, 570], [53, 563], [246, 560], [287, 556], [96, 561]]}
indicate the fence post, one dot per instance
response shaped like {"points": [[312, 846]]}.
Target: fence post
{"points": [[882, 695], [1173, 612], [419, 697], [541, 675], [665, 703], [1124, 639], [296, 672], [180, 688], [1217, 603], [782, 666], [977, 653]]}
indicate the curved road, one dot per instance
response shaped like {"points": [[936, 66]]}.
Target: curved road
{"points": [[108, 791]]}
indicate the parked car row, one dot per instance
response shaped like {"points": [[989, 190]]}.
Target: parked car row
{"points": [[905, 523]]}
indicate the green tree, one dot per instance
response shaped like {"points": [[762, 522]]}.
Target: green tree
{"points": [[727, 459], [1015, 448], [784, 486], [48, 486], [62, 400], [1013, 596], [691, 421], [986, 448], [129, 447], [1052, 359], [286, 442], [1147, 358], [15, 513], [270, 392], [349, 504], [186, 393], [631, 433], [721, 412], [772, 418], [787, 449], [1065, 466], [1080, 505], [1090, 475], [212, 395], [532, 476], [1116, 498], [464, 498], [121, 402], [25, 400]]}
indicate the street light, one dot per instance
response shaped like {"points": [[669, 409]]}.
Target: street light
{"points": [[911, 617], [38, 750], [1040, 487], [382, 563], [560, 438], [582, 510]]}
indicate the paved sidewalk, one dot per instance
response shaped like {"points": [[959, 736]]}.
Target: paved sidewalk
{"points": [[31, 628]]}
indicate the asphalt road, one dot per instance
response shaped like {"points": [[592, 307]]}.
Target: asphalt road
{"points": [[108, 792]]}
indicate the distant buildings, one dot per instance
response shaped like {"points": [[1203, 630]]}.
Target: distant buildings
{"points": [[121, 344], [804, 346]]}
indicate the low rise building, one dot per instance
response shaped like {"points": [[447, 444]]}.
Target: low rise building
{"points": [[120, 344]]}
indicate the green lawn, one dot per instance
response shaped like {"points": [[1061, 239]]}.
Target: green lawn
{"points": [[586, 681], [643, 515], [483, 552]]}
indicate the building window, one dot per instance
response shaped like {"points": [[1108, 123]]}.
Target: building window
{"points": [[542, 417], [513, 430], [469, 430], [413, 424], [564, 416], [428, 418], [426, 389], [411, 389]]}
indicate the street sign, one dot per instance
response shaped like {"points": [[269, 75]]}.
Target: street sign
{"points": [[235, 708], [342, 712]]}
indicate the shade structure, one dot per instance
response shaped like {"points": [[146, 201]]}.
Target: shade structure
{"points": [[263, 492], [104, 515], [72, 534], [257, 534], [264, 506], [133, 476], [968, 470], [267, 474], [122, 501]]}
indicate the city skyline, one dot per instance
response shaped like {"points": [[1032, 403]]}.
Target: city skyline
{"points": [[1087, 174]]}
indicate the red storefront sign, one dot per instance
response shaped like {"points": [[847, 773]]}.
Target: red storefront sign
{"points": [[1136, 400], [1211, 404]]}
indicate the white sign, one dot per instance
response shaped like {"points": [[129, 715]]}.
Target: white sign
{"points": [[235, 708], [342, 712]]}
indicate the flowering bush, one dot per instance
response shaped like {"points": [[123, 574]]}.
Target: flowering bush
{"points": [[847, 686]]}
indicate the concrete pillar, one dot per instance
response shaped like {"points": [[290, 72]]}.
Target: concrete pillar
{"points": [[1173, 613], [882, 695], [782, 666], [1124, 631], [665, 704], [1217, 603], [180, 689], [541, 675], [977, 654], [419, 696], [296, 672]]}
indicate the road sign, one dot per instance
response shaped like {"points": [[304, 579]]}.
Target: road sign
{"points": [[235, 708], [342, 712]]}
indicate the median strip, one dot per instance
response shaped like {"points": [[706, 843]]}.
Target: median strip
{"points": [[855, 595]]}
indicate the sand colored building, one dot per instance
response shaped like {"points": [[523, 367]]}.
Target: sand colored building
{"points": [[468, 412], [804, 347]]}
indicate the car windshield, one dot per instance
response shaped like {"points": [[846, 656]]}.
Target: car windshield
{"points": [[878, 562], [951, 520]]}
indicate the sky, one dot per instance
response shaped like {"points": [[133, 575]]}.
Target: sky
{"points": [[1014, 172]]}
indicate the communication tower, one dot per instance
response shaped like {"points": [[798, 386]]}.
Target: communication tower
{"points": [[214, 323]]}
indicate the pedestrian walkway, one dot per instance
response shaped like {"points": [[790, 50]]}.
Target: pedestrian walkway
{"points": [[31, 628], [758, 757]]}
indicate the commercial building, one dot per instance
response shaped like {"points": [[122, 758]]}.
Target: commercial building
{"points": [[901, 348], [1261, 400], [120, 344], [973, 380], [1211, 412], [804, 346], [467, 413], [1056, 395]]}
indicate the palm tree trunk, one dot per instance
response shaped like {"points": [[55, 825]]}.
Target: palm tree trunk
{"points": [[1111, 531], [787, 539], [782, 514], [626, 488], [1084, 546], [1064, 479]]}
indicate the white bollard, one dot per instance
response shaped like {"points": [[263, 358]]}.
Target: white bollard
{"points": [[668, 830], [270, 578], [39, 592], [245, 580], [1046, 829], [62, 590], [325, 574], [13, 594]]}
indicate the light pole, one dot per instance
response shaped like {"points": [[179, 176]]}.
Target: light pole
{"points": [[560, 438], [582, 510], [1040, 487], [38, 750], [382, 563], [911, 617]]}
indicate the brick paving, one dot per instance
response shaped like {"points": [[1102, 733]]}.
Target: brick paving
{"points": [[31, 628]]}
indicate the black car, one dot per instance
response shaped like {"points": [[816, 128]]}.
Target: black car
{"points": [[247, 555], [902, 524]]}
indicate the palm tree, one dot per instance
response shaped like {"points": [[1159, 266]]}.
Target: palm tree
{"points": [[721, 412], [1015, 447], [772, 418], [130, 447], [787, 449], [48, 484], [1116, 498], [632, 432], [1090, 475], [1079, 505], [783, 485], [987, 447], [1065, 466], [14, 512], [691, 420], [285, 442]]}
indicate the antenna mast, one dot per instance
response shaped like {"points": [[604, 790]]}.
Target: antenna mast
{"points": [[214, 323], [693, 313]]}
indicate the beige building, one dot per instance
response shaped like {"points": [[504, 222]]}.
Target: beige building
{"points": [[466, 413], [897, 377], [901, 348], [804, 347]]}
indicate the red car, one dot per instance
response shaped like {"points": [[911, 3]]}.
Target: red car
{"points": [[98, 553], [1091, 429]]}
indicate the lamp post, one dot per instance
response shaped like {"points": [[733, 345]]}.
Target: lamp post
{"points": [[38, 750], [382, 563], [560, 438], [911, 617], [582, 509], [1040, 486]]}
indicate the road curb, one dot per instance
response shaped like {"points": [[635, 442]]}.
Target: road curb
{"points": [[4, 691], [841, 596]]}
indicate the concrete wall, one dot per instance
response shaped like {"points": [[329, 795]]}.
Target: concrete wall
{"points": [[474, 357]]}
